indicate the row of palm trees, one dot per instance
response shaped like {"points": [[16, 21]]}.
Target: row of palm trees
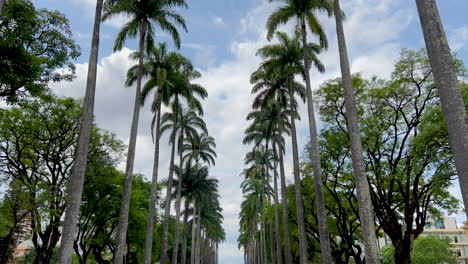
{"points": [[275, 112], [170, 83]]}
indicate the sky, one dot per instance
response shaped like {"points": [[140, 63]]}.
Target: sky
{"points": [[222, 38]]}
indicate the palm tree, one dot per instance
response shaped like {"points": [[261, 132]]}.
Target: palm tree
{"points": [[144, 15], [282, 59], [447, 84], [271, 118], [79, 168], [366, 210], [200, 147], [161, 69], [271, 87], [188, 124], [180, 88]]}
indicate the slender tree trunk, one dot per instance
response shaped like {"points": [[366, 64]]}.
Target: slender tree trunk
{"points": [[272, 243], [365, 207], [154, 190], [167, 212], [279, 255], [194, 237], [319, 196], [183, 257], [75, 189], [297, 185], [447, 84], [179, 192], [127, 190], [199, 241], [284, 200], [3, 3]]}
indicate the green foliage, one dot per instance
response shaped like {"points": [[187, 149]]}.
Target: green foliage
{"points": [[427, 250], [36, 47], [37, 150]]}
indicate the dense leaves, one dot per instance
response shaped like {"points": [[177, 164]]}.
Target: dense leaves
{"points": [[36, 48]]}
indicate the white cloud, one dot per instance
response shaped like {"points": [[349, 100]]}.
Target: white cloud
{"points": [[458, 37], [218, 21]]}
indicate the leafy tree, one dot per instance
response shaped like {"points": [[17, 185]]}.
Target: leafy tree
{"points": [[38, 142], [34, 45], [408, 158], [426, 250]]}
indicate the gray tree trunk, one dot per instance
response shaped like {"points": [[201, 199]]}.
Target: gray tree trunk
{"points": [[319, 196], [366, 210], [297, 184], [198, 241], [447, 84], [127, 190], [178, 198], [3, 3], [154, 191], [194, 230], [183, 257], [167, 209], [279, 255], [284, 199], [75, 189], [272, 242]]}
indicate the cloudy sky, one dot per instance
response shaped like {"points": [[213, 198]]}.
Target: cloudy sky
{"points": [[222, 38]]}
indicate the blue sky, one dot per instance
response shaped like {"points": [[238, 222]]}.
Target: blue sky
{"points": [[222, 40]]}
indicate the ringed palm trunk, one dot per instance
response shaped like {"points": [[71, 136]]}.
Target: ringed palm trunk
{"points": [[125, 205], [198, 241], [272, 243], [183, 256], [319, 196], [447, 84], [297, 185], [3, 2], [179, 192], [167, 209], [363, 193], [194, 229], [75, 190], [284, 200], [154, 190], [279, 256]]}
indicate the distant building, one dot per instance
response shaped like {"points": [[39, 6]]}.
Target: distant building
{"points": [[23, 238], [446, 228]]}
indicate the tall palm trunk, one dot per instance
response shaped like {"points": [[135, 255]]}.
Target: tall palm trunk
{"points": [[183, 256], [154, 190], [125, 205], [284, 199], [279, 256], [194, 230], [167, 209], [297, 185], [198, 241], [319, 196], [75, 190], [272, 243], [449, 89], [3, 3], [179, 192], [363, 193]]}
